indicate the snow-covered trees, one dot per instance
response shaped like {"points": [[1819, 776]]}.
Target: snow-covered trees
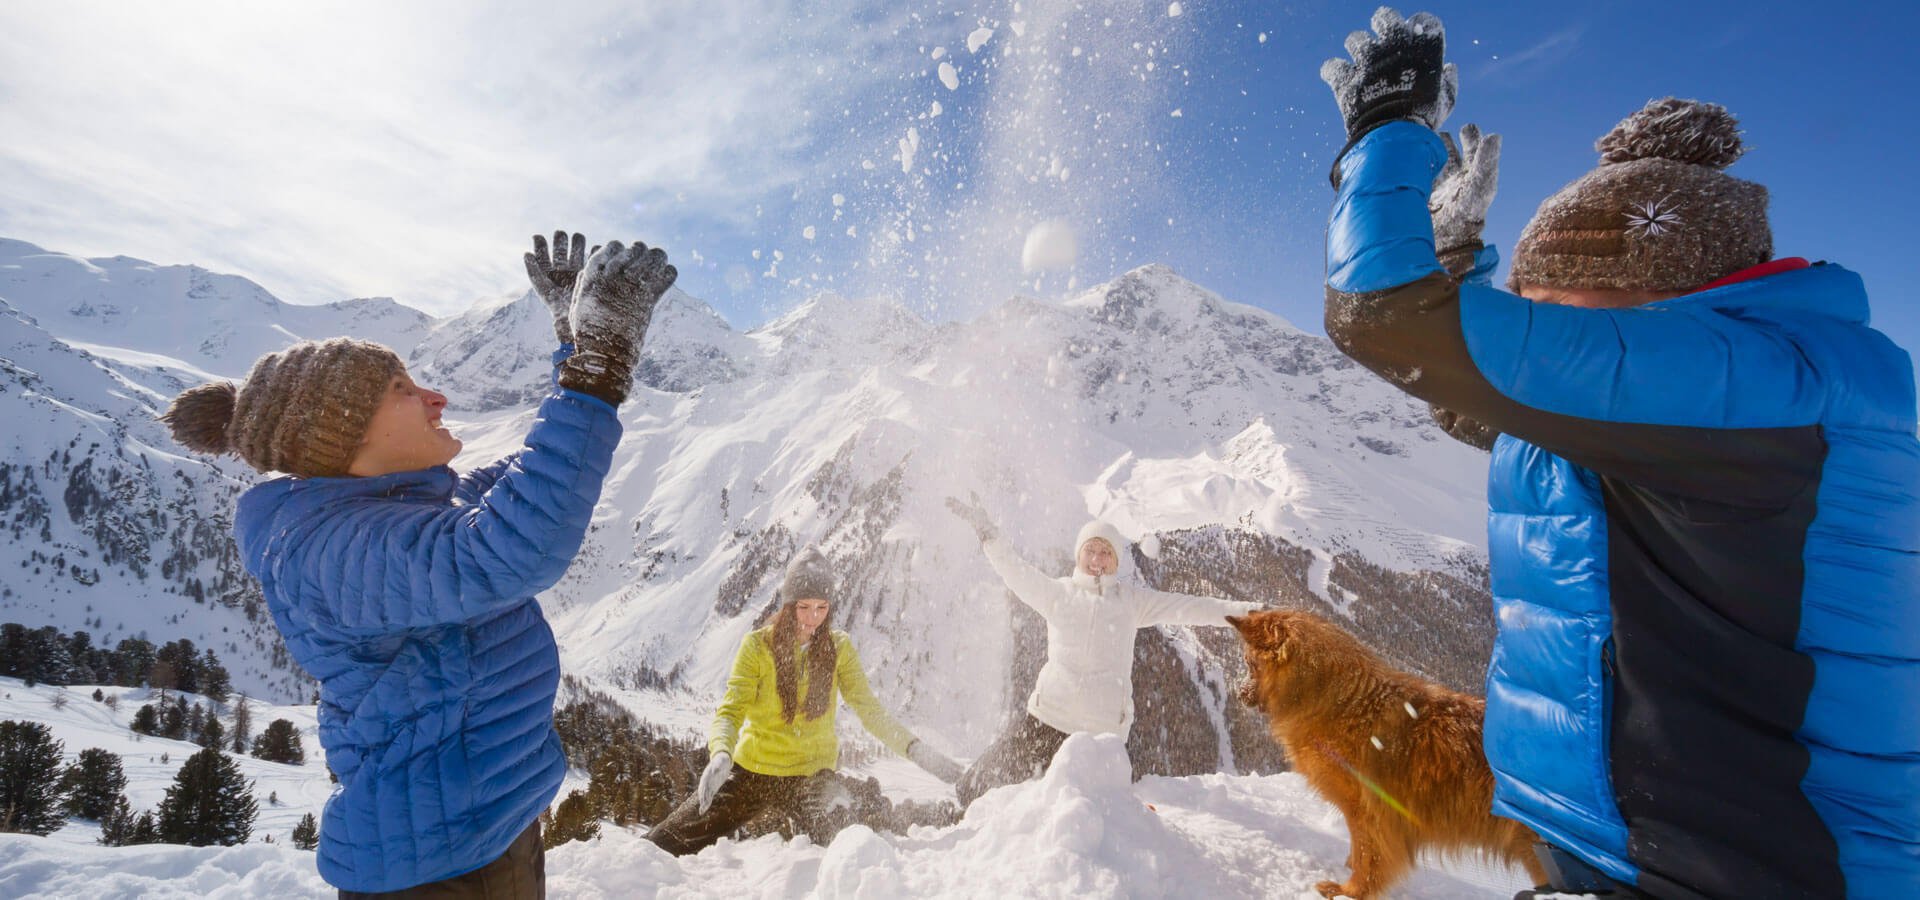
{"points": [[280, 743], [210, 802], [29, 778]]}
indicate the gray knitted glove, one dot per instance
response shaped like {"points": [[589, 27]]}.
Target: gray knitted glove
{"points": [[612, 306], [1400, 72], [1464, 191], [553, 278], [974, 516]]}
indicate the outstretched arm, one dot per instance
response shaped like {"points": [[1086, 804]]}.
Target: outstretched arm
{"points": [[1595, 386], [375, 565], [1153, 607], [852, 680]]}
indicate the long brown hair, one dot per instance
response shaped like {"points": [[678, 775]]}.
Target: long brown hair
{"points": [[822, 656]]}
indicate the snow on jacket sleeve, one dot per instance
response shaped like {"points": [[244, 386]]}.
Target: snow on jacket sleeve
{"points": [[377, 566], [1582, 383], [851, 678], [1151, 607], [1032, 586], [751, 668]]}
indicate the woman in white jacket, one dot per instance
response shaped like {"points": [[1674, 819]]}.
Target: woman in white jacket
{"points": [[1092, 616]]}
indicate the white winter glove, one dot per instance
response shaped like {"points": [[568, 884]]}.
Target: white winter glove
{"points": [[937, 764], [974, 516], [719, 769], [1464, 191]]}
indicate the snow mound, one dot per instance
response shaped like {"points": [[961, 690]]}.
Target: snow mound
{"points": [[1083, 830]]}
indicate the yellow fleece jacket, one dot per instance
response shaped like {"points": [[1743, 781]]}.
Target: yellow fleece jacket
{"points": [[749, 726]]}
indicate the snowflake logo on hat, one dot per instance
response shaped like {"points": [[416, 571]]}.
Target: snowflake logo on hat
{"points": [[1652, 218]]}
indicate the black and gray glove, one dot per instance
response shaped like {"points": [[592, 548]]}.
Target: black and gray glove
{"points": [[553, 278], [1462, 195], [612, 305], [1399, 72], [1471, 432]]}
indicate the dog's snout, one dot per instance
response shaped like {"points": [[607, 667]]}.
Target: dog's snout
{"points": [[1245, 692]]}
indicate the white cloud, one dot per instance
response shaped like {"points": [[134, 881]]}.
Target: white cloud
{"points": [[337, 150]]}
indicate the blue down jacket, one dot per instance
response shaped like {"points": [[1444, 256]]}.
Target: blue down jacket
{"points": [[411, 598], [1704, 523]]}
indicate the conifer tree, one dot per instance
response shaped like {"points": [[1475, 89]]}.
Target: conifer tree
{"points": [[116, 827], [210, 802], [29, 778], [146, 721], [214, 681], [306, 835], [173, 720], [242, 725], [212, 734], [280, 743], [93, 783], [573, 820]]}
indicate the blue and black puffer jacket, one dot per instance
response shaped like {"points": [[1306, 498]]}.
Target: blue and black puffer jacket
{"points": [[410, 597], [1705, 535]]}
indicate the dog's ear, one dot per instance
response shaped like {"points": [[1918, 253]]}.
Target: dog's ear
{"points": [[1263, 634], [1242, 624]]}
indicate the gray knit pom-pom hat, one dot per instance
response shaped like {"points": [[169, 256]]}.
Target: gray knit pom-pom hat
{"points": [[1658, 214], [302, 410], [809, 577]]}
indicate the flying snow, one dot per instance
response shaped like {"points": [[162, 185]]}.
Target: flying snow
{"points": [[909, 146], [949, 77], [978, 38], [1050, 245]]}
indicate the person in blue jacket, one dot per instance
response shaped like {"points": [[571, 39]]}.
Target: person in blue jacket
{"points": [[1704, 524], [407, 590]]}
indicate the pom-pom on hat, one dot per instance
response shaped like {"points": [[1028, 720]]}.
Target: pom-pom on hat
{"points": [[1658, 214], [303, 410], [809, 577]]}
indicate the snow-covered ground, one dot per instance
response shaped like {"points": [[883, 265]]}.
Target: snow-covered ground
{"points": [[1084, 830]]}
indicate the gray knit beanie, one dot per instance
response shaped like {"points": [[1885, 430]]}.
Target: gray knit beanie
{"points": [[809, 577], [302, 410], [1657, 215]]}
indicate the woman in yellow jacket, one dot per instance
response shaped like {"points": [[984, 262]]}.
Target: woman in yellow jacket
{"points": [[772, 744]]}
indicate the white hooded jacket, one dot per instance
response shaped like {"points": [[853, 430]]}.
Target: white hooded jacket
{"points": [[1087, 682]]}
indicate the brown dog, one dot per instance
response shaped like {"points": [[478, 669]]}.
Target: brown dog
{"points": [[1399, 756]]}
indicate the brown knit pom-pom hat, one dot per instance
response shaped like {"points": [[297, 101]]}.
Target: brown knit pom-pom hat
{"points": [[1657, 215], [302, 410]]}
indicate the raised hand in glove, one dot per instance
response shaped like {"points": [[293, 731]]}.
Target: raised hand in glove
{"points": [[612, 304], [974, 516], [1398, 72], [553, 277], [719, 769], [1463, 193], [937, 764]]}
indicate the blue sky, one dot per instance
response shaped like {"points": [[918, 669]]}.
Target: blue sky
{"points": [[407, 150]]}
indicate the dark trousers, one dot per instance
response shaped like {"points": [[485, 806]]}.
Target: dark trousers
{"points": [[1023, 752], [817, 805], [519, 874]]}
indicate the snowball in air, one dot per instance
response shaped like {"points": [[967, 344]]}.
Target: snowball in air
{"points": [[978, 38], [949, 77], [807, 232], [1174, 10], [1050, 245]]}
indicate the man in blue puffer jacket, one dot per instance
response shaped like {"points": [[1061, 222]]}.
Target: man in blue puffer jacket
{"points": [[408, 591], [1703, 524]]}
